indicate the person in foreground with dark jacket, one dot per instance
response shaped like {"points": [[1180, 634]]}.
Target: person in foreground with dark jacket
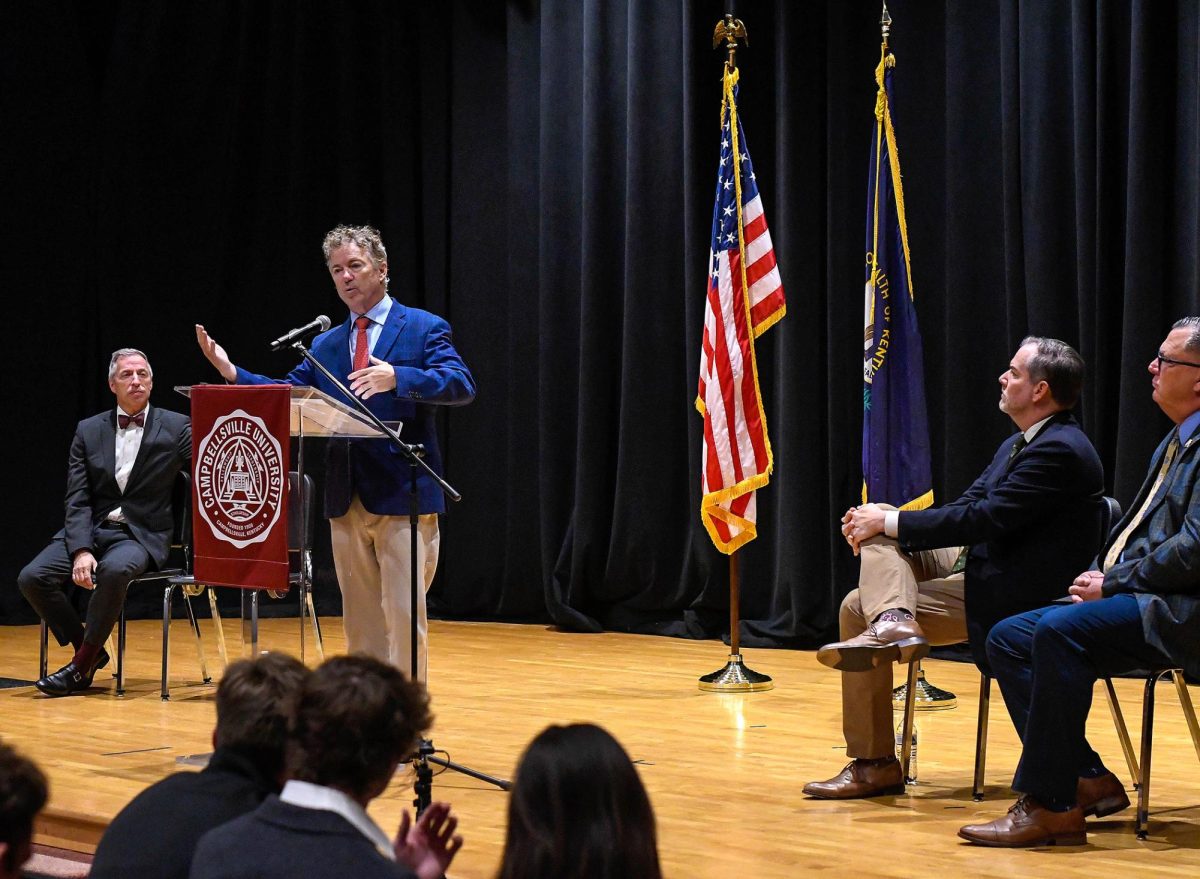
{"points": [[356, 720], [155, 836]]}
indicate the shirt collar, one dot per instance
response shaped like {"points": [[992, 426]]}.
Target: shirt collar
{"points": [[1188, 426], [315, 796], [1035, 429], [379, 311]]}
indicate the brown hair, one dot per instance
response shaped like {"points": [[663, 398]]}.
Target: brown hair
{"points": [[255, 702], [355, 719]]}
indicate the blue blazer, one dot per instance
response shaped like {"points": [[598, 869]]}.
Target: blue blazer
{"points": [[1161, 561], [429, 372], [1032, 523]]}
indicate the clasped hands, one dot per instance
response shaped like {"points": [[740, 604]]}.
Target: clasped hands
{"points": [[862, 523]]}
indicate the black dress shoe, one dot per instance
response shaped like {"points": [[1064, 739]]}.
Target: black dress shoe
{"points": [[67, 680]]}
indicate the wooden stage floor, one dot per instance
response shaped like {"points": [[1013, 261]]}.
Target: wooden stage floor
{"points": [[724, 772]]}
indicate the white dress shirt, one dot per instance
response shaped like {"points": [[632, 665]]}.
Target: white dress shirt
{"points": [[315, 796], [129, 441]]}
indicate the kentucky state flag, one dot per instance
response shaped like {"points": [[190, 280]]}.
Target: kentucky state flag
{"points": [[895, 450]]}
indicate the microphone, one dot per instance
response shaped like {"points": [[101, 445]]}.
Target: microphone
{"points": [[319, 324]]}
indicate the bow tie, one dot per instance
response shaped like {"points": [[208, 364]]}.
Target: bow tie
{"points": [[123, 420]]}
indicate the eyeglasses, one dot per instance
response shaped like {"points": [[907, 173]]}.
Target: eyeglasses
{"points": [[1164, 359]]}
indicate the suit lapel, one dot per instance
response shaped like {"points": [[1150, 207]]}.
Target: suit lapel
{"points": [[149, 435], [108, 445], [397, 316], [341, 349], [1147, 485]]}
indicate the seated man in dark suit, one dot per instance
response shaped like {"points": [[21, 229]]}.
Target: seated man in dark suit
{"points": [[356, 719], [120, 477], [945, 575], [1137, 607], [23, 793], [155, 836]]}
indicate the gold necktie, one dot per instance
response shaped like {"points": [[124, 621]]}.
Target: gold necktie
{"points": [[1118, 547]]}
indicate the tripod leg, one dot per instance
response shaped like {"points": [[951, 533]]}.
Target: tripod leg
{"points": [[424, 783]]}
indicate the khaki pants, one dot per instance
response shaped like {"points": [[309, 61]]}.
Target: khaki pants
{"points": [[371, 556], [889, 578]]}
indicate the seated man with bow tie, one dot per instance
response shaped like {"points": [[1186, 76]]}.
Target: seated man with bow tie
{"points": [[120, 476]]}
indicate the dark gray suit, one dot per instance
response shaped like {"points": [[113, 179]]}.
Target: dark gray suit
{"points": [[280, 840], [122, 552]]}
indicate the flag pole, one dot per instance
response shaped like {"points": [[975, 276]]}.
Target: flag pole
{"points": [[929, 697], [734, 677]]}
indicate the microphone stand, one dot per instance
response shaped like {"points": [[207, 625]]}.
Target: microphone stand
{"points": [[414, 453]]}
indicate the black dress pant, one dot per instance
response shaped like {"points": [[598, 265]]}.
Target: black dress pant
{"points": [[119, 559]]}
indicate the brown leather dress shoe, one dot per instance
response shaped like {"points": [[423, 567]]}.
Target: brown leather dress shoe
{"points": [[1029, 823], [860, 778], [1101, 796], [893, 637]]}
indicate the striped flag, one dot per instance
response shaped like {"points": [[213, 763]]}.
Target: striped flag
{"points": [[745, 298]]}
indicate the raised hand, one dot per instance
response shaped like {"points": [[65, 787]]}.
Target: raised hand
{"points": [[428, 847], [215, 353]]}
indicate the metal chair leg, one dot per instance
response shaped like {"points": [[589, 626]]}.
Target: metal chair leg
{"points": [[1189, 713], [909, 706], [111, 648], [166, 641], [43, 661], [981, 731], [121, 653], [216, 618], [1143, 805], [204, 675], [1114, 708], [316, 625], [250, 622]]}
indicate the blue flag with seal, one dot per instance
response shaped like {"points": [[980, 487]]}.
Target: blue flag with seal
{"points": [[895, 450]]}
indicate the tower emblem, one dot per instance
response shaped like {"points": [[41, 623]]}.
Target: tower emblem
{"points": [[240, 479]]}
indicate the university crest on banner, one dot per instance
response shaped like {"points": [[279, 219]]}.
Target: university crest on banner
{"points": [[240, 485]]}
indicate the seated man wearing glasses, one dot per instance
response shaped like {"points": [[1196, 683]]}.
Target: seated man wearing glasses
{"points": [[1138, 606]]}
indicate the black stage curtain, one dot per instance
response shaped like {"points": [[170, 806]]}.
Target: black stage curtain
{"points": [[543, 173]]}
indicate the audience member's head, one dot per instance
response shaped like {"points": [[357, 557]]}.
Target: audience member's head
{"points": [[356, 719], [255, 703], [578, 811], [23, 793]]}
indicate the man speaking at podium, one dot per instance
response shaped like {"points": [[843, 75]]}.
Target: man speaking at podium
{"points": [[402, 362]]}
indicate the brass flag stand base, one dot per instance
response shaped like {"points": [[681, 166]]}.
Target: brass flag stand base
{"points": [[928, 698], [735, 678]]}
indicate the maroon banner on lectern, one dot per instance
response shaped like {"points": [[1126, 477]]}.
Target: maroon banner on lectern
{"points": [[240, 485]]}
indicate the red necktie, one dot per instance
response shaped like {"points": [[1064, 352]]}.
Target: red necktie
{"points": [[123, 420], [362, 348]]}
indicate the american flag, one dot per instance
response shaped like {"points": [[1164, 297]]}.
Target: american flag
{"points": [[736, 450]]}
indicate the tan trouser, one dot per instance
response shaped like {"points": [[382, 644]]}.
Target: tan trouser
{"points": [[889, 578], [371, 554]]}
